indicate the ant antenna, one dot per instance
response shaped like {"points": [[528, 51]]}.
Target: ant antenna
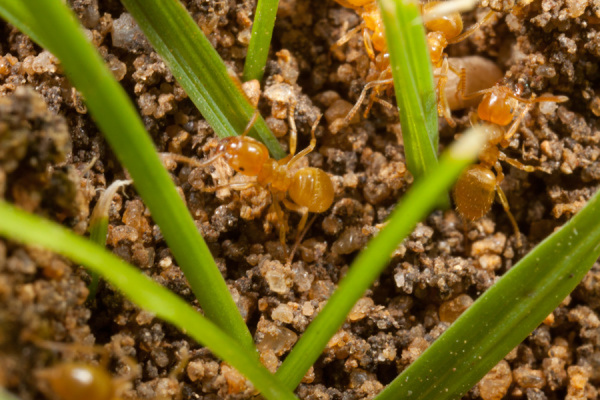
{"points": [[252, 121]]}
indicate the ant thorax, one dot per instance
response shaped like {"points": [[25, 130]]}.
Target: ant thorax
{"points": [[274, 174]]}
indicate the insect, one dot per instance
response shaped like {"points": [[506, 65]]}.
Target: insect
{"points": [[78, 380], [443, 30], [301, 190], [476, 188], [74, 380]]}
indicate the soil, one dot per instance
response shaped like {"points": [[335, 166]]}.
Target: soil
{"points": [[54, 162]]}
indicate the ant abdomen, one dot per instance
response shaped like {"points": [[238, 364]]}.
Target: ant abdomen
{"points": [[75, 381], [474, 192], [312, 188]]}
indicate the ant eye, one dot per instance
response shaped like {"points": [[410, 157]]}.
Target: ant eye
{"points": [[242, 169]]}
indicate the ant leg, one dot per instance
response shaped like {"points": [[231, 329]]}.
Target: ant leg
{"points": [[293, 131], [310, 147], [188, 160], [361, 98], [471, 30], [283, 226], [300, 210], [513, 128], [299, 238], [368, 45], [234, 186], [504, 202], [251, 122], [347, 36], [374, 97], [443, 107], [516, 163]]}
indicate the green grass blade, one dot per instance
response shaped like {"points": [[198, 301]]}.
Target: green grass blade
{"points": [[30, 229], [6, 395], [260, 41], [123, 128], [413, 83], [99, 226], [18, 15], [198, 68], [369, 264], [504, 316]]}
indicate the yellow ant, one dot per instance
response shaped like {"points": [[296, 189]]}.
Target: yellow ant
{"points": [[74, 380], [309, 189], [443, 31], [475, 189]]}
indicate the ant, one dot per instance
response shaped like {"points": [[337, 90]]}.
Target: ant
{"points": [[309, 189], [78, 380], [475, 189], [443, 30], [74, 380]]}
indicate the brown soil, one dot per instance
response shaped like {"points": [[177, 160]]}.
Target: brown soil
{"points": [[54, 162]]}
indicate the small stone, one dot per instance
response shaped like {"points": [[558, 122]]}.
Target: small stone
{"points": [[529, 378], [450, 310], [361, 309], [283, 313], [494, 385]]}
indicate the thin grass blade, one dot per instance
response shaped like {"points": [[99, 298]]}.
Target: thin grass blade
{"points": [[99, 226], [413, 83], [260, 41], [33, 230], [17, 14], [123, 128], [504, 316], [198, 68], [369, 264]]}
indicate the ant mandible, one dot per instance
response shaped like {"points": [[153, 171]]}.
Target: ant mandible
{"points": [[309, 189], [475, 189]]}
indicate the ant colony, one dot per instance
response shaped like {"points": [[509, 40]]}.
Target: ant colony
{"points": [[461, 83]]}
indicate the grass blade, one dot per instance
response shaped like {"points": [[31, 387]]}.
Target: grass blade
{"points": [[413, 83], [198, 68], [99, 226], [18, 15], [369, 264], [260, 42], [30, 229], [504, 316], [123, 128]]}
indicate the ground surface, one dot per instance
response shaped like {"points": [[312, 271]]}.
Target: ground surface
{"points": [[54, 162]]}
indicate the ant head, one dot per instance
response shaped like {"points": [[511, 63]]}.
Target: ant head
{"points": [[244, 154], [497, 107]]}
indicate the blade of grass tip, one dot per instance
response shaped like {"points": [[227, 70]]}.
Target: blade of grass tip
{"points": [[198, 68], [420, 153], [505, 314], [121, 125], [99, 226], [18, 15], [369, 264], [140, 289], [260, 41]]}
